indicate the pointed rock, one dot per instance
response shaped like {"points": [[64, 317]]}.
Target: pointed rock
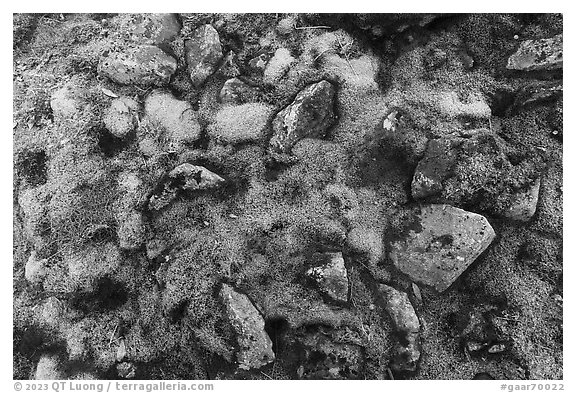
{"points": [[203, 53], [538, 55], [310, 115], [332, 278], [185, 177], [441, 244], [255, 345]]}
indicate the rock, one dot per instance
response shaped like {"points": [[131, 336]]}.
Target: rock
{"points": [[441, 244], [234, 91], [229, 67], [241, 123], [66, 102], [121, 351], [49, 368], [126, 370], [538, 55], [131, 230], [35, 269], [255, 345], [278, 66], [537, 93], [475, 346], [151, 29], [121, 117], [177, 117], [329, 354], [203, 53], [185, 177], [259, 62], [332, 278], [406, 354], [523, 205], [144, 66], [497, 348], [310, 115], [286, 26], [398, 306]]}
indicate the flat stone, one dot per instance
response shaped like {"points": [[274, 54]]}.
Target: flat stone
{"points": [[185, 177], [538, 55], [523, 205], [332, 278], [121, 116], [310, 115], [255, 346], [144, 65], [441, 245], [203, 53], [177, 117]]}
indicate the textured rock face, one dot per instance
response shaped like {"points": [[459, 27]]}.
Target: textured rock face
{"points": [[144, 66], [407, 350], [203, 53], [445, 242], [185, 177], [255, 346], [177, 117], [152, 29], [332, 278], [309, 116], [523, 206], [122, 116], [538, 55]]}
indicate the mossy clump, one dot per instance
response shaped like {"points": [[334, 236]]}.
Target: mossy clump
{"points": [[241, 123]]}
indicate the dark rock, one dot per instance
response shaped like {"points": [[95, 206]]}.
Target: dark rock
{"points": [[121, 117], [310, 115], [185, 177], [537, 93], [255, 346], [203, 53], [144, 66], [445, 241], [406, 354], [259, 62], [538, 55], [332, 278]]}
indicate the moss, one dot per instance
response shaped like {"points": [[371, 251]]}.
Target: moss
{"points": [[242, 123]]}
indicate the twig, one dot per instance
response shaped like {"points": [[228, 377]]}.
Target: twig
{"points": [[112, 335], [324, 51], [312, 27], [266, 375], [346, 56]]}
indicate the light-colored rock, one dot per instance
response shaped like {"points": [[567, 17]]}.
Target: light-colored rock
{"points": [[177, 117], [259, 62], [400, 310], [332, 278], [278, 65], [66, 102], [152, 29], [310, 115], [49, 368], [185, 177], [203, 53], [538, 55], [121, 116], [523, 206], [131, 230], [241, 123], [35, 269], [441, 245], [286, 26], [255, 346], [144, 65], [233, 91]]}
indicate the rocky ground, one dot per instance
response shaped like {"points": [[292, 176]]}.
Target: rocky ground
{"points": [[287, 196]]}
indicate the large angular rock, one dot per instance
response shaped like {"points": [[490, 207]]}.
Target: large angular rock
{"points": [[441, 244], [185, 177], [145, 66], [203, 53], [255, 346], [538, 55], [310, 115], [332, 278], [177, 117]]}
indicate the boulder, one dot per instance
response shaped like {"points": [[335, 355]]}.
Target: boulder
{"points": [[332, 278], [144, 66], [441, 244], [538, 55], [185, 177], [255, 347], [121, 117], [203, 53], [310, 115]]}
